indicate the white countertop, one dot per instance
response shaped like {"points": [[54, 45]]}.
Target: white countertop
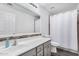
{"points": [[23, 45]]}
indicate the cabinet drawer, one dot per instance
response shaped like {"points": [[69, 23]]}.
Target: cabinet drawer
{"points": [[40, 53], [47, 43], [30, 53], [40, 48], [47, 52]]}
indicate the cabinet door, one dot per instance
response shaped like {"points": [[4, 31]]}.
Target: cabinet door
{"points": [[40, 48], [40, 53], [30, 53], [47, 49]]}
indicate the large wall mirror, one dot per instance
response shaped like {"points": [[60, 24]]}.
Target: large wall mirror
{"points": [[17, 20]]}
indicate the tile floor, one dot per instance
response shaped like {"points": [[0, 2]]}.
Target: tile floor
{"points": [[63, 53]]}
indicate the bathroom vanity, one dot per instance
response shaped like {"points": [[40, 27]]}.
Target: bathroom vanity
{"points": [[41, 50], [34, 45]]}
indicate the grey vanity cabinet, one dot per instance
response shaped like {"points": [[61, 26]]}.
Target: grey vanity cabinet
{"points": [[41, 50]]}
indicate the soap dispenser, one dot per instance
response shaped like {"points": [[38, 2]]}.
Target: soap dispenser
{"points": [[7, 43]]}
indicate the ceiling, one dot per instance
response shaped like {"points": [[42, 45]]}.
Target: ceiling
{"points": [[55, 8]]}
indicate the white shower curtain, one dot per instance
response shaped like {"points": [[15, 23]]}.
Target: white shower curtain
{"points": [[63, 29]]}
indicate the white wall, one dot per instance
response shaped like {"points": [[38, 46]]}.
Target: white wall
{"points": [[44, 20], [24, 22]]}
